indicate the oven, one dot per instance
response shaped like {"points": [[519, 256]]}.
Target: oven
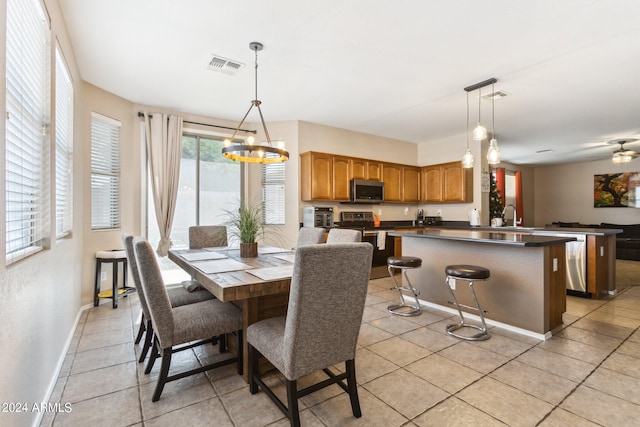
{"points": [[383, 244]]}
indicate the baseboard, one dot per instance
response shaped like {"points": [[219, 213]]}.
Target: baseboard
{"points": [[56, 373]]}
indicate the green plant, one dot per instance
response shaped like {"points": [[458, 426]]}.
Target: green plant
{"points": [[495, 203], [246, 222]]}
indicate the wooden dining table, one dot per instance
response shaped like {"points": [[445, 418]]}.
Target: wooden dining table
{"points": [[258, 286]]}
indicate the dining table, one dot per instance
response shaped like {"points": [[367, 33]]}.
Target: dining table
{"points": [[258, 286]]}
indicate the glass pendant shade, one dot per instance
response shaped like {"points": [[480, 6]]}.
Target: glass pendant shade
{"points": [[467, 159], [622, 157], [480, 132], [493, 154]]}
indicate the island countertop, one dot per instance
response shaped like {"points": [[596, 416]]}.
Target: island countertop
{"points": [[490, 237]]}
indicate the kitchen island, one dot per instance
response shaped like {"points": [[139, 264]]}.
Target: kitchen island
{"points": [[526, 290]]}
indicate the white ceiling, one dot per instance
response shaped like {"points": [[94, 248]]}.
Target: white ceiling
{"points": [[397, 69]]}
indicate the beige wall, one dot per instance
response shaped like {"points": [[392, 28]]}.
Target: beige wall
{"points": [[565, 193]]}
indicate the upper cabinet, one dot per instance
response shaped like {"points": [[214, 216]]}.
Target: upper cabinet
{"points": [[341, 177], [410, 184], [317, 176], [392, 178], [447, 183]]}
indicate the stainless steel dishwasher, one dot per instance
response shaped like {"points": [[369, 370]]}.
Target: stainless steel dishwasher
{"points": [[576, 262]]}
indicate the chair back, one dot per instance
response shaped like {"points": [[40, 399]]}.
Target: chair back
{"points": [[127, 240], [310, 236], [326, 302], [207, 236], [155, 291], [338, 235]]}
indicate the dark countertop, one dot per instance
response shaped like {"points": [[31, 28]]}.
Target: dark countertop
{"points": [[500, 238]]}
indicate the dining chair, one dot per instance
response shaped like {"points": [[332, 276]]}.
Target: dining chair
{"points": [[204, 236], [326, 303], [174, 326], [339, 235], [310, 236], [178, 296]]}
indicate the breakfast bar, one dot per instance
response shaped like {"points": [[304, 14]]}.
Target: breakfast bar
{"points": [[526, 290]]}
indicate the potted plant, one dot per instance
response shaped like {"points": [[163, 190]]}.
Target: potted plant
{"points": [[245, 224]]}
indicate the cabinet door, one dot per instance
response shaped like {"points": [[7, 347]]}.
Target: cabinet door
{"points": [[392, 178], [374, 170], [316, 174], [410, 184], [341, 177], [431, 184], [359, 169], [456, 186]]}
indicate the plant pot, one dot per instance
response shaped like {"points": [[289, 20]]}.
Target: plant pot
{"points": [[249, 250]]}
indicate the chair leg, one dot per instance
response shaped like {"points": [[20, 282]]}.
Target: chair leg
{"points": [[164, 372], [253, 369], [141, 330], [154, 355], [222, 342], [114, 284], [353, 388], [239, 352], [96, 289], [292, 403], [148, 340]]}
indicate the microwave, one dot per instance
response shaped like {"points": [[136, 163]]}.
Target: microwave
{"points": [[365, 191]]}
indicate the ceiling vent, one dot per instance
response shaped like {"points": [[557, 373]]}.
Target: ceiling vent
{"points": [[224, 65], [495, 95]]}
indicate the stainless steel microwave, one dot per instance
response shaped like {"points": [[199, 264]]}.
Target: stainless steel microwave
{"points": [[364, 191]]}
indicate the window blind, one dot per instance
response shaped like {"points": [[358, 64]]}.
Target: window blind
{"points": [[273, 199], [64, 148], [105, 173], [27, 72]]}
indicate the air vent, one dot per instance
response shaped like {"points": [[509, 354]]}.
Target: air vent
{"points": [[495, 95], [224, 65], [544, 151]]}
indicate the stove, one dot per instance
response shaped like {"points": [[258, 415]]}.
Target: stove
{"points": [[382, 249]]}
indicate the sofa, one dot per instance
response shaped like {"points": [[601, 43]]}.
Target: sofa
{"points": [[627, 242]]}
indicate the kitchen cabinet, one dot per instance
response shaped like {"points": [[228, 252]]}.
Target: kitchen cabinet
{"points": [[316, 171], [410, 184], [392, 178], [374, 170], [447, 183], [366, 169], [341, 177]]}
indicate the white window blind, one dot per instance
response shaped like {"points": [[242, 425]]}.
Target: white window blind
{"points": [[273, 179], [105, 173], [64, 148], [27, 75]]}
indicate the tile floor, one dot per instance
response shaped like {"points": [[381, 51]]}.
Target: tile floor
{"points": [[409, 373]]}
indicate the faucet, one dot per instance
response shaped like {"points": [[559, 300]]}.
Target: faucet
{"points": [[515, 215]]}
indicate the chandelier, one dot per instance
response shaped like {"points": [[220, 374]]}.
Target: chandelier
{"points": [[623, 155], [249, 151], [480, 132]]}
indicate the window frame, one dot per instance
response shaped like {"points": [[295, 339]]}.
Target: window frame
{"points": [[63, 148]]}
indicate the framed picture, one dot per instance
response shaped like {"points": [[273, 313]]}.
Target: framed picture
{"points": [[616, 190]]}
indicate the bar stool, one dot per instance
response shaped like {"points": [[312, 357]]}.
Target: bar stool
{"points": [[114, 257], [404, 263], [470, 273]]}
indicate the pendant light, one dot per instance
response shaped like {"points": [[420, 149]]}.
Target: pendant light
{"points": [[493, 153], [249, 151], [467, 159], [480, 132]]}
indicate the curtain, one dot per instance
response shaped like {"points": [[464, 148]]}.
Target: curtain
{"points": [[164, 147], [500, 172]]}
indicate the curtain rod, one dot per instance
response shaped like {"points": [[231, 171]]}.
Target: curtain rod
{"points": [[141, 114]]}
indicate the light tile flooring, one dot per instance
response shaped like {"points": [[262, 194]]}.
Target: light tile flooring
{"points": [[409, 373]]}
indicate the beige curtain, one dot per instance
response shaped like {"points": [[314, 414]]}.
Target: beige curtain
{"points": [[164, 143]]}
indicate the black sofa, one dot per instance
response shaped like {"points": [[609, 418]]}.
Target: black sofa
{"points": [[627, 242]]}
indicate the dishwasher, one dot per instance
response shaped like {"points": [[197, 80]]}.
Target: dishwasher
{"points": [[576, 262]]}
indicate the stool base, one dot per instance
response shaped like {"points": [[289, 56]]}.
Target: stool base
{"points": [[404, 308], [483, 334], [480, 336]]}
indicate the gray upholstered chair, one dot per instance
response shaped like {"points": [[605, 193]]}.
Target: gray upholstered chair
{"points": [[204, 236], [326, 302], [177, 295], [310, 236], [174, 326], [339, 235]]}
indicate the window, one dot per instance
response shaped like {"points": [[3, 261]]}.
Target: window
{"points": [[105, 173], [208, 185], [64, 148], [273, 206], [27, 77]]}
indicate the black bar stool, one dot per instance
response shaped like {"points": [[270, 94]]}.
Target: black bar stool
{"points": [[470, 273], [404, 263], [114, 257]]}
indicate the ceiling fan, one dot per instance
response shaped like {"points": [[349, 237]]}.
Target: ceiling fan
{"points": [[623, 155]]}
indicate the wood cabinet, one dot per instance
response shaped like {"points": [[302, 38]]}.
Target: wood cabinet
{"points": [[316, 170], [410, 184], [366, 169], [392, 178], [374, 170], [341, 177], [447, 183]]}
